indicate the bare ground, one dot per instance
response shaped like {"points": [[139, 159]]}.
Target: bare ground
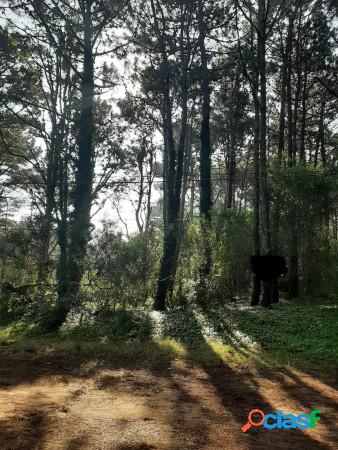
{"points": [[69, 402]]}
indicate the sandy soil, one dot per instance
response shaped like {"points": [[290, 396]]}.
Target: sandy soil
{"points": [[71, 402]]}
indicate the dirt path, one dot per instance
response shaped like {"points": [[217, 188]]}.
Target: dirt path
{"points": [[64, 402]]}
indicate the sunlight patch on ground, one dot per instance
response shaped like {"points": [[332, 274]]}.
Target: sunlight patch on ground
{"points": [[195, 324], [172, 347], [157, 318], [237, 337]]}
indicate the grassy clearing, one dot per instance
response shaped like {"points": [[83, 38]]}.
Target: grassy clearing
{"points": [[301, 335], [297, 334], [156, 350]]}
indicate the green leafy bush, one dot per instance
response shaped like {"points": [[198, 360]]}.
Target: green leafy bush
{"points": [[117, 325], [229, 238]]}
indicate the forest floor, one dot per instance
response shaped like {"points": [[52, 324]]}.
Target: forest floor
{"points": [[68, 399], [184, 379]]}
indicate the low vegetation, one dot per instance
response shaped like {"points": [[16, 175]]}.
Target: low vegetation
{"points": [[234, 333]]}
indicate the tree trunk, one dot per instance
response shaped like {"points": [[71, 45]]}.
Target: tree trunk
{"points": [[174, 171], [80, 227], [281, 136], [293, 269], [293, 240], [140, 162], [256, 284], [51, 177], [233, 142], [298, 89], [205, 151], [62, 231], [289, 93], [302, 157], [150, 178], [265, 203], [322, 135]]}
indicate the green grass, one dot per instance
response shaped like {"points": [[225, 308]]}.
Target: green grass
{"points": [[299, 334], [151, 351], [119, 325]]}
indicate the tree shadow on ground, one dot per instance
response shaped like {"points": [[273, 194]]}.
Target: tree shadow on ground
{"points": [[77, 443], [281, 340], [192, 421], [239, 394], [308, 390], [23, 432], [136, 447]]}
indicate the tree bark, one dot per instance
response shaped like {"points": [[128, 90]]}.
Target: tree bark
{"points": [[265, 202], [298, 89], [293, 240], [280, 151], [233, 124], [255, 283], [80, 226], [174, 170], [302, 157], [322, 135], [205, 150], [289, 92]]}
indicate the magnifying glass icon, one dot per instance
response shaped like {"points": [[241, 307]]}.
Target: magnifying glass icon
{"points": [[250, 422]]}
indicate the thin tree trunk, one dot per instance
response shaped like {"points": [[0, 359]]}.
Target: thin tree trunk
{"points": [[293, 241], [265, 203], [150, 178], [205, 151], [256, 284], [298, 89], [289, 93], [233, 142], [302, 157], [62, 231], [322, 135], [51, 177], [140, 162], [276, 209], [186, 168], [254, 84], [192, 197]]}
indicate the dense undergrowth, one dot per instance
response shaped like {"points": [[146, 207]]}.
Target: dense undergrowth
{"points": [[301, 335]]}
